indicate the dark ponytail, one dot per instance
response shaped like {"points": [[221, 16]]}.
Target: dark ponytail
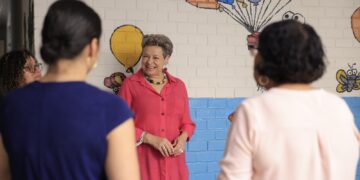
{"points": [[68, 27]]}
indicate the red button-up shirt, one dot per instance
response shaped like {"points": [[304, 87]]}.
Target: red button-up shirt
{"points": [[165, 115]]}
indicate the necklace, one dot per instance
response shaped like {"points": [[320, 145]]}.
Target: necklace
{"points": [[156, 82]]}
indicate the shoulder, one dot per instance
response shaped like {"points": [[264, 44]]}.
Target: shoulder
{"points": [[334, 101], [131, 80], [252, 102], [135, 77], [114, 106], [19, 94], [174, 80], [332, 97], [105, 97]]}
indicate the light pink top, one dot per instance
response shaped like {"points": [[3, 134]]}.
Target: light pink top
{"points": [[292, 135]]}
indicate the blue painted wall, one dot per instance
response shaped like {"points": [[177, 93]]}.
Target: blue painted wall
{"points": [[206, 148]]}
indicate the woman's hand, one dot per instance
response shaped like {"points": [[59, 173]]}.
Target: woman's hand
{"points": [[161, 144], [179, 143], [231, 117]]}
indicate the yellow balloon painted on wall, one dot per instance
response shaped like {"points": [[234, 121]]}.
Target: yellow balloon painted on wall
{"points": [[125, 44]]}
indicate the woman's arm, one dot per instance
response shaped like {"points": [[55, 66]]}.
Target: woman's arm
{"points": [[121, 158], [4, 162], [237, 161], [187, 125]]}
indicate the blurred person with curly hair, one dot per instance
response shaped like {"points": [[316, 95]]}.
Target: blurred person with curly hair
{"points": [[18, 68]]}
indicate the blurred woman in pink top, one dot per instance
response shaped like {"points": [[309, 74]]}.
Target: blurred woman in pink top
{"points": [[292, 131], [162, 117]]}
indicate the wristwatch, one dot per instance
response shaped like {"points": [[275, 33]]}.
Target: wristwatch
{"points": [[141, 138]]}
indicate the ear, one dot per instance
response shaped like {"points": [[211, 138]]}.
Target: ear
{"points": [[166, 61], [94, 48]]}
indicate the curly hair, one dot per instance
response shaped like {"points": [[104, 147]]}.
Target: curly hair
{"points": [[159, 40], [11, 70], [291, 52]]}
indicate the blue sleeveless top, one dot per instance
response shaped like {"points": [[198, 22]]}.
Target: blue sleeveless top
{"points": [[57, 131]]}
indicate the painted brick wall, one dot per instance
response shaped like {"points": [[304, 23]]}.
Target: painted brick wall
{"points": [[210, 52], [211, 56], [206, 148]]}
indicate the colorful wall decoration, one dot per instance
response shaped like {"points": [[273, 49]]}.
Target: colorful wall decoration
{"points": [[348, 80], [125, 45], [253, 15], [294, 16]]}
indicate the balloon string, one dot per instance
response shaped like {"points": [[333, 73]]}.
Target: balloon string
{"points": [[257, 20], [253, 25], [264, 12], [271, 13], [270, 17], [233, 16], [242, 15]]}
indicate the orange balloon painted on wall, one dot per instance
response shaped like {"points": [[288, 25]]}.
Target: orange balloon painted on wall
{"points": [[125, 45], [206, 4], [355, 23]]}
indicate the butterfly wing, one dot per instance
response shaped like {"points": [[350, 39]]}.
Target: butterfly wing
{"points": [[341, 76], [357, 82]]}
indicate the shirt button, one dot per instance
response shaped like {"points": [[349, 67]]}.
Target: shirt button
{"points": [[162, 130], [162, 99], [162, 114]]}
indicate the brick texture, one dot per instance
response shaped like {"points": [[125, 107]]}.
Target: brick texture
{"points": [[211, 57], [206, 147]]}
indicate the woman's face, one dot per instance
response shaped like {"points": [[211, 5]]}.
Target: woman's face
{"points": [[153, 60], [32, 71]]}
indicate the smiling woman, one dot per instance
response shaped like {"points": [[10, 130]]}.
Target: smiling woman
{"points": [[162, 119]]}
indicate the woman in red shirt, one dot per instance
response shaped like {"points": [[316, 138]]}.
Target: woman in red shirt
{"points": [[162, 117]]}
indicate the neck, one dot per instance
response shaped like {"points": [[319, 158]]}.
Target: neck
{"points": [[66, 70], [159, 80], [156, 77], [296, 86]]}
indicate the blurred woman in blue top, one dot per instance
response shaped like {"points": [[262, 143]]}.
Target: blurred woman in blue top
{"points": [[61, 127]]}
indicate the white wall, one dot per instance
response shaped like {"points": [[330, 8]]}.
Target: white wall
{"points": [[210, 53]]}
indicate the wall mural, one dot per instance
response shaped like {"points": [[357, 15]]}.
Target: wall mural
{"points": [[348, 80], [294, 16], [253, 15], [125, 45], [355, 24]]}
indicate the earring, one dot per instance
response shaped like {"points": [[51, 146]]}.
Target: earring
{"points": [[90, 64], [263, 81], [94, 65]]}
